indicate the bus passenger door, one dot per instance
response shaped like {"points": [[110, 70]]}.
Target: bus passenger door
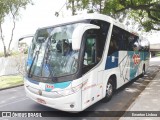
{"points": [[89, 90]]}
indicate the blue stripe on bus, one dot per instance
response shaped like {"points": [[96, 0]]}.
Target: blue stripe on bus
{"points": [[146, 55], [62, 85], [112, 61]]}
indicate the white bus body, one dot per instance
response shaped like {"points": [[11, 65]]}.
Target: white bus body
{"points": [[105, 57]]}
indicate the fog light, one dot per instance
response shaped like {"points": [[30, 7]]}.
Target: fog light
{"points": [[72, 105]]}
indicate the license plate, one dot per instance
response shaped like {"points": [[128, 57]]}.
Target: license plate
{"points": [[39, 100]]}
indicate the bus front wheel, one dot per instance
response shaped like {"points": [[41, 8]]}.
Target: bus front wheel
{"points": [[109, 89]]}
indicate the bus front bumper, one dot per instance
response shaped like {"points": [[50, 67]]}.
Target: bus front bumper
{"points": [[70, 103]]}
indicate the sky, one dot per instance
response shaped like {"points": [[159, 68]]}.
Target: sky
{"points": [[41, 14], [34, 16]]}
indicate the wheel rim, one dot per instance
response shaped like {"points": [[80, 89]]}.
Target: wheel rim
{"points": [[109, 89]]}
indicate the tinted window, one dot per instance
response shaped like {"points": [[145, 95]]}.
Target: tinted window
{"points": [[116, 37], [123, 40], [101, 35], [133, 43]]}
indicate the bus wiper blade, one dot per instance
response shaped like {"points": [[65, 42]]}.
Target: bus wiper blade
{"points": [[29, 72], [46, 58]]}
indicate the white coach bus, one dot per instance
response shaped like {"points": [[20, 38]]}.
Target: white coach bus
{"points": [[74, 64]]}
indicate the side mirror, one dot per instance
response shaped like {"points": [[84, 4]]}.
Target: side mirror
{"points": [[78, 34], [24, 39], [26, 36]]}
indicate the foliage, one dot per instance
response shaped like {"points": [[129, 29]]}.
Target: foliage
{"points": [[10, 8], [90, 5], [158, 54], [15, 53], [23, 47], [146, 12]]}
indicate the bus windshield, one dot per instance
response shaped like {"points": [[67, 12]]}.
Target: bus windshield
{"points": [[51, 53]]}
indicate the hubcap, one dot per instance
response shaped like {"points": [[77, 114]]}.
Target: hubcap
{"points": [[109, 89]]}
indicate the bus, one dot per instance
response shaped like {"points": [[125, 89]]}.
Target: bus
{"points": [[74, 64]]}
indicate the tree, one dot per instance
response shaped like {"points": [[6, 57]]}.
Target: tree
{"points": [[12, 8], [146, 12], [71, 5], [90, 5], [3, 12]]}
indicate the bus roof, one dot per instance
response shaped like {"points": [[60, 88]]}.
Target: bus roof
{"points": [[81, 17]]}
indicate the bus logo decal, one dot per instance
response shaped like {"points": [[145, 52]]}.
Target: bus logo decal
{"points": [[49, 88], [136, 59]]}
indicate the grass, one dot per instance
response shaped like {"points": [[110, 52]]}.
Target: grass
{"points": [[158, 54], [10, 81], [15, 53], [1, 54]]}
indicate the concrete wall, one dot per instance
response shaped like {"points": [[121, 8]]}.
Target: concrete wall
{"points": [[12, 65], [155, 47]]}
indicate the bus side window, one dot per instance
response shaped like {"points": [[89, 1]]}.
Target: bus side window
{"points": [[101, 36], [114, 42], [113, 47], [134, 44]]}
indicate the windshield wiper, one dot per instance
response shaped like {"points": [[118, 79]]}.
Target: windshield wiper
{"points": [[36, 54], [47, 56]]}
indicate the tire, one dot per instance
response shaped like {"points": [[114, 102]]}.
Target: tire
{"points": [[109, 89], [143, 71]]}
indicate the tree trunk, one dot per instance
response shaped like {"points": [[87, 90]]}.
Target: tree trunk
{"points": [[14, 24], [73, 8], [5, 51], [100, 11], [2, 38]]}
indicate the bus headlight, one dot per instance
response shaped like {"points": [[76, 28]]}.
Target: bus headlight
{"points": [[70, 91]]}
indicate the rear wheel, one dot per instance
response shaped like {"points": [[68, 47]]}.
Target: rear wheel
{"points": [[143, 71]]}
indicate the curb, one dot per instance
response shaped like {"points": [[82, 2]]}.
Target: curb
{"points": [[11, 87]]}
